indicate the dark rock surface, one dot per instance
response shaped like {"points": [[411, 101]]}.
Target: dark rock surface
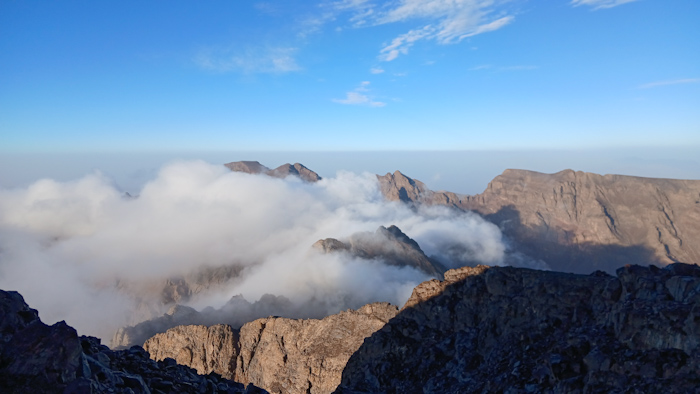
{"points": [[390, 245], [283, 171], [37, 358], [515, 330], [577, 221]]}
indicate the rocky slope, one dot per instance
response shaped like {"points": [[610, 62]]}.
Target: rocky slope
{"points": [[283, 171], [516, 330], [389, 244], [279, 354], [578, 221], [37, 358]]}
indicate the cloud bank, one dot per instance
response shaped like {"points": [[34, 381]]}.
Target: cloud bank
{"points": [[72, 248]]}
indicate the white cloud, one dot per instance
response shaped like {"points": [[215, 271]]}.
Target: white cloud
{"points": [[599, 4], [358, 97], [376, 70], [66, 245], [670, 82], [275, 60]]}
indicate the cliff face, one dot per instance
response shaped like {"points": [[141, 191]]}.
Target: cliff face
{"points": [[577, 221], [505, 329], [281, 355], [37, 358]]}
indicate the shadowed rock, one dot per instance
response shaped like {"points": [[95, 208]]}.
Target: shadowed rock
{"points": [[505, 329], [37, 358]]}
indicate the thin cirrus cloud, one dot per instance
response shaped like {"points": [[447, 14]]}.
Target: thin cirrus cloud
{"points": [[359, 96], [599, 4], [670, 82], [273, 60], [442, 21]]}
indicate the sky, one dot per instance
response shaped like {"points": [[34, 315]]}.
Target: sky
{"points": [[85, 76]]}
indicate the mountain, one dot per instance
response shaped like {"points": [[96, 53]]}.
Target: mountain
{"points": [[390, 245], [279, 354], [37, 358], [505, 329], [283, 171], [577, 221]]}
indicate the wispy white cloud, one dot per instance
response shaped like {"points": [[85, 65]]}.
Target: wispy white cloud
{"points": [[358, 96], [402, 43], [376, 70], [599, 4], [276, 60], [670, 82]]}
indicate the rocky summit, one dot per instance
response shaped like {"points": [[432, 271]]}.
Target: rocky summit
{"points": [[390, 245], [516, 330], [577, 221], [37, 358], [283, 171]]}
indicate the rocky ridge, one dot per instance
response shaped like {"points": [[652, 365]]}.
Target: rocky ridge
{"points": [[283, 171], [577, 221], [37, 358], [505, 329], [390, 245], [279, 354]]}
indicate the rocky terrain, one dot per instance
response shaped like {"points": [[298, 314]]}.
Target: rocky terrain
{"points": [[283, 171], [279, 354], [516, 330], [37, 358], [389, 244], [577, 221]]}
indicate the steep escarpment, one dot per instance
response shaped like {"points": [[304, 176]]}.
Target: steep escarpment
{"points": [[578, 221], [279, 354], [505, 329], [37, 358]]}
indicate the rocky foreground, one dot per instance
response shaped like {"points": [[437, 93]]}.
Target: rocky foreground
{"points": [[482, 329], [37, 358]]}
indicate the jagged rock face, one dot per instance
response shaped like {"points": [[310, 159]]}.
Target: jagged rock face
{"points": [[279, 354], [37, 358], [390, 245], [577, 221], [505, 329], [206, 349], [283, 171]]}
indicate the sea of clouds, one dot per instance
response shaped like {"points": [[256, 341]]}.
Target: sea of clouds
{"points": [[65, 245]]}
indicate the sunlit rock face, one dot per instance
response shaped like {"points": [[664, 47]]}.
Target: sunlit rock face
{"points": [[278, 354], [505, 329], [283, 171], [577, 221]]}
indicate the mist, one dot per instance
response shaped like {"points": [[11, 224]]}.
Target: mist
{"points": [[77, 250]]}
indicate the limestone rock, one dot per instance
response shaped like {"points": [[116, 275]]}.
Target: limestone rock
{"points": [[278, 354], [505, 329], [206, 349], [577, 221]]}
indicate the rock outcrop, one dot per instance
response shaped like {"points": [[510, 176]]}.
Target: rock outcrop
{"points": [[283, 171], [577, 221], [390, 245], [37, 358], [279, 354], [505, 329]]}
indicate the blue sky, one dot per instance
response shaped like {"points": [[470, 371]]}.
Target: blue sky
{"points": [[79, 76]]}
